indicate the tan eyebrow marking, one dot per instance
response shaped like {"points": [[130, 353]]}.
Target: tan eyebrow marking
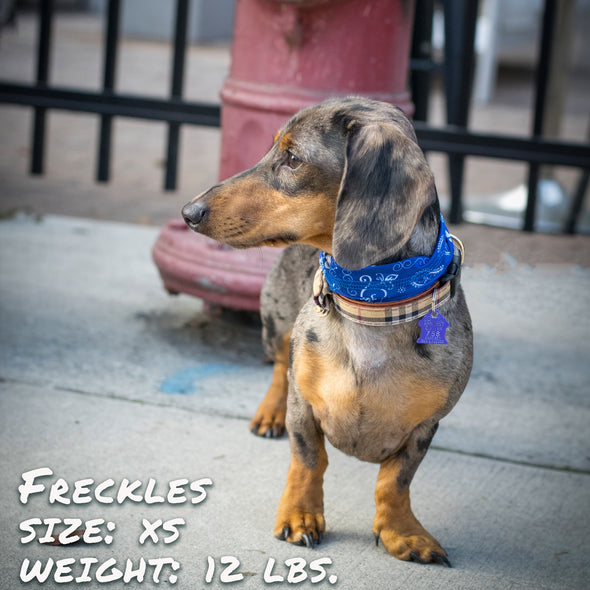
{"points": [[286, 141]]}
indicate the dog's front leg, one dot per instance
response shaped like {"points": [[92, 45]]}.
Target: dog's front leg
{"points": [[300, 516], [269, 420], [395, 524]]}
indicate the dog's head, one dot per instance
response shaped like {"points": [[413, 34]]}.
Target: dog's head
{"points": [[346, 176]]}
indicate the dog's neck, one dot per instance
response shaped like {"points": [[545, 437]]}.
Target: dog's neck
{"points": [[423, 239], [415, 274]]}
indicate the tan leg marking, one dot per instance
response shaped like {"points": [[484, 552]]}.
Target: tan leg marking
{"points": [[395, 524], [269, 419], [300, 515]]}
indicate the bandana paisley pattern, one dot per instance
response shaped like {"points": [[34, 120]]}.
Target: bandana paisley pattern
{"points": [[391, 282]]}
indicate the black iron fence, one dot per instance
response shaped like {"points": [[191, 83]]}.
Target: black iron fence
{"points": [[454, 139]]}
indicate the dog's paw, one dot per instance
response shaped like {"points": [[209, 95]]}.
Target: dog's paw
{"points": [[269, 420], [421, 548], [301, 528]]}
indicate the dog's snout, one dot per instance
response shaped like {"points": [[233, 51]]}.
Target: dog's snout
{"points": [[195, 213]]}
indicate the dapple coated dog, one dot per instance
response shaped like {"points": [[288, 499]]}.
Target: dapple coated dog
{"points": [[347, 189]]}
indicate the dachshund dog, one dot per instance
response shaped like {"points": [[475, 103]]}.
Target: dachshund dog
{"points": [[346, 177]]}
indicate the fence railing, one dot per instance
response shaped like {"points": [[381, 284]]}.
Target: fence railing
{"points": [[454, 139]]}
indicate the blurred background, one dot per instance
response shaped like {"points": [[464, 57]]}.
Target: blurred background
{"points": [[502, 102]]}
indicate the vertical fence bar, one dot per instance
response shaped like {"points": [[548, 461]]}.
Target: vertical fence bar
{"points": [[422, 51], [43, 50], [176, 87], [542, 79], [578, 201], [460, 20], [108, 85]]}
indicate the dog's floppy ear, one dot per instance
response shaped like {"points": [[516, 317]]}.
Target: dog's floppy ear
{"points": [[385, 188]]}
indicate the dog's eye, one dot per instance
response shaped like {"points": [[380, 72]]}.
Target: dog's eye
{"points": [[293, 161]]}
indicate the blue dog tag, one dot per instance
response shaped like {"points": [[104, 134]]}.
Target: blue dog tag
{"points": [[432, 328]]}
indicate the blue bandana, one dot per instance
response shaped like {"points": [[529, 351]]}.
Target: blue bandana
{"points": [[391, 282]]}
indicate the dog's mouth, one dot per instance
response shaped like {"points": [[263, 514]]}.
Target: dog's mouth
{"points": [[278, 241]]}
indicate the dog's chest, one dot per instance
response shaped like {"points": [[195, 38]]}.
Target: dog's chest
{"points": [[367, 347], [351, 381]]}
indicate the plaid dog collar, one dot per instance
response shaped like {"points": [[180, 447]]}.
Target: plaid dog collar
{"points": [[392, 313], [379, 314]]}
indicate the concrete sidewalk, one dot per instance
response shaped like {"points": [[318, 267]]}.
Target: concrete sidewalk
{"points": [[103, 375]]}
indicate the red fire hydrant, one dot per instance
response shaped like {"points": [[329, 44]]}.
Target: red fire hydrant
{"points": [[286, 55], [290, 54]]}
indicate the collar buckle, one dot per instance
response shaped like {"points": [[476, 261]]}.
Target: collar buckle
{"points": [[321, 293]]}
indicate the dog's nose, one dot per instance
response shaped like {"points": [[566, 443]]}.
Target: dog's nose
{"points": [[194, 213]]}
